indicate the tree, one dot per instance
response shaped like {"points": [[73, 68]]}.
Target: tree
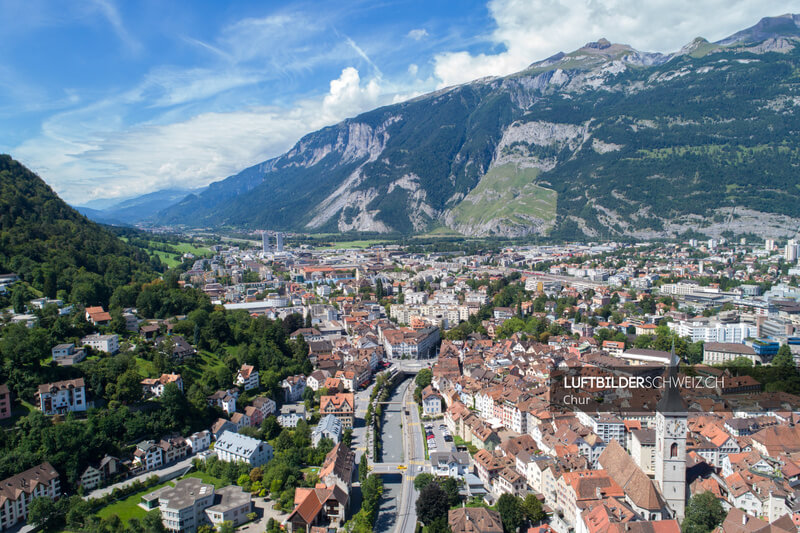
{"points": [[532, 509], [451, 485], [363, 468], [508, 506], [347, 437], [41, 511], [424, 378], [423, 480], [784, 358], [432, 503], [703, 513]]}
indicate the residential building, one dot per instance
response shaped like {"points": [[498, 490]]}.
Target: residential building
{"points": [[450, 464], [155, 386], [199, 441], [329, 427], [266, 405], [67, 355], [62, 397], [474, 520], [291, 414], [98, 316], [176, 346], [232, 447], [174, 448], [102, 343], [247, 377], [341, 405], [322, 508], [95, 476], [5, 402], [293, 388], [148, 456], [221, 426], [17, 493], [225, 400], [431, 402]]}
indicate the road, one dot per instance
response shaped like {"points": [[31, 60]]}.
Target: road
{"points": [[413, 456], [166, 473]]}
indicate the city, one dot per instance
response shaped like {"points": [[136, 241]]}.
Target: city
{"points": [[486, 266]]}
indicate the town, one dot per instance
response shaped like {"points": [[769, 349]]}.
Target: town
{"points": [[282, 386]]}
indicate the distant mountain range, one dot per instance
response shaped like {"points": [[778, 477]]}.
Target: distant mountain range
{"points": [[602, 142], [135, 210]]}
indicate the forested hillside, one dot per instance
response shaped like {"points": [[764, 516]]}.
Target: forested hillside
{"points": [[55, 249]]}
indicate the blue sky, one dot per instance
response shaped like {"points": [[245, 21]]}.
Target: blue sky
{"points": [[107, 98]]}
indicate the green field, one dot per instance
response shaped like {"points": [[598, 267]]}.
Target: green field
{"points": [[507, 193], [202, 363], [128, 508], [180, 248]]}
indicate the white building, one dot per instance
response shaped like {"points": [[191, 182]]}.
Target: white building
{"points": [[247, 377], [233, 447], [102, 343], [711, 331], [62, 397], [329, 427], [200, 441], [17, 493]]}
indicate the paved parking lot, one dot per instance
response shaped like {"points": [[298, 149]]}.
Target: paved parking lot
{"points": [[438, 443]]}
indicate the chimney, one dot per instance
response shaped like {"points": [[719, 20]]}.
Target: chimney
{"points": [[744, 519]]}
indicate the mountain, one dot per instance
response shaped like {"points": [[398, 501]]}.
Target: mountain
{"points": [[602, 142], [56, 249], [136, 209]]}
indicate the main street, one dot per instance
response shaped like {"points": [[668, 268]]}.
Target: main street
{"points": [[414, 455]]}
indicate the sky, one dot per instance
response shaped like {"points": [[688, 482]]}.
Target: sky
{"points": [[112, 99]]}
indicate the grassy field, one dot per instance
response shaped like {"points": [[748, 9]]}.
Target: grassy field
{"points": [[506, 192], [202, 363], [129, 508], [145, 367], [178, 249]]}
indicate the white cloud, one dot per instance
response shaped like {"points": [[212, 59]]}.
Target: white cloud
{"points": [[89, 153], [530, 30], [418, 34], [413, 69]]}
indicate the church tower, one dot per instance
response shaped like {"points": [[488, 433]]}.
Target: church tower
{"points": [[671, 430]]}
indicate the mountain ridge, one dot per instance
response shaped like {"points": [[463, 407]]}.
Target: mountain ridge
{"points": [[418, 164]]}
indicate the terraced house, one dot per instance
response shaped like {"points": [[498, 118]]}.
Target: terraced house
{"points": [[17, 492], [342, 406]]}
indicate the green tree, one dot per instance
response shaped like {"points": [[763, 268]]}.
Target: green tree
{"points": [[532, 509], [508, 506], [363, 468], [432, 503], [424, 378], [42, 512], [423, 480], [784, 358], [451, 486], [704, 512]]}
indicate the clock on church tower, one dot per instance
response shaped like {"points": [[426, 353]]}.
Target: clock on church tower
{"points": [[670, 457]]}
